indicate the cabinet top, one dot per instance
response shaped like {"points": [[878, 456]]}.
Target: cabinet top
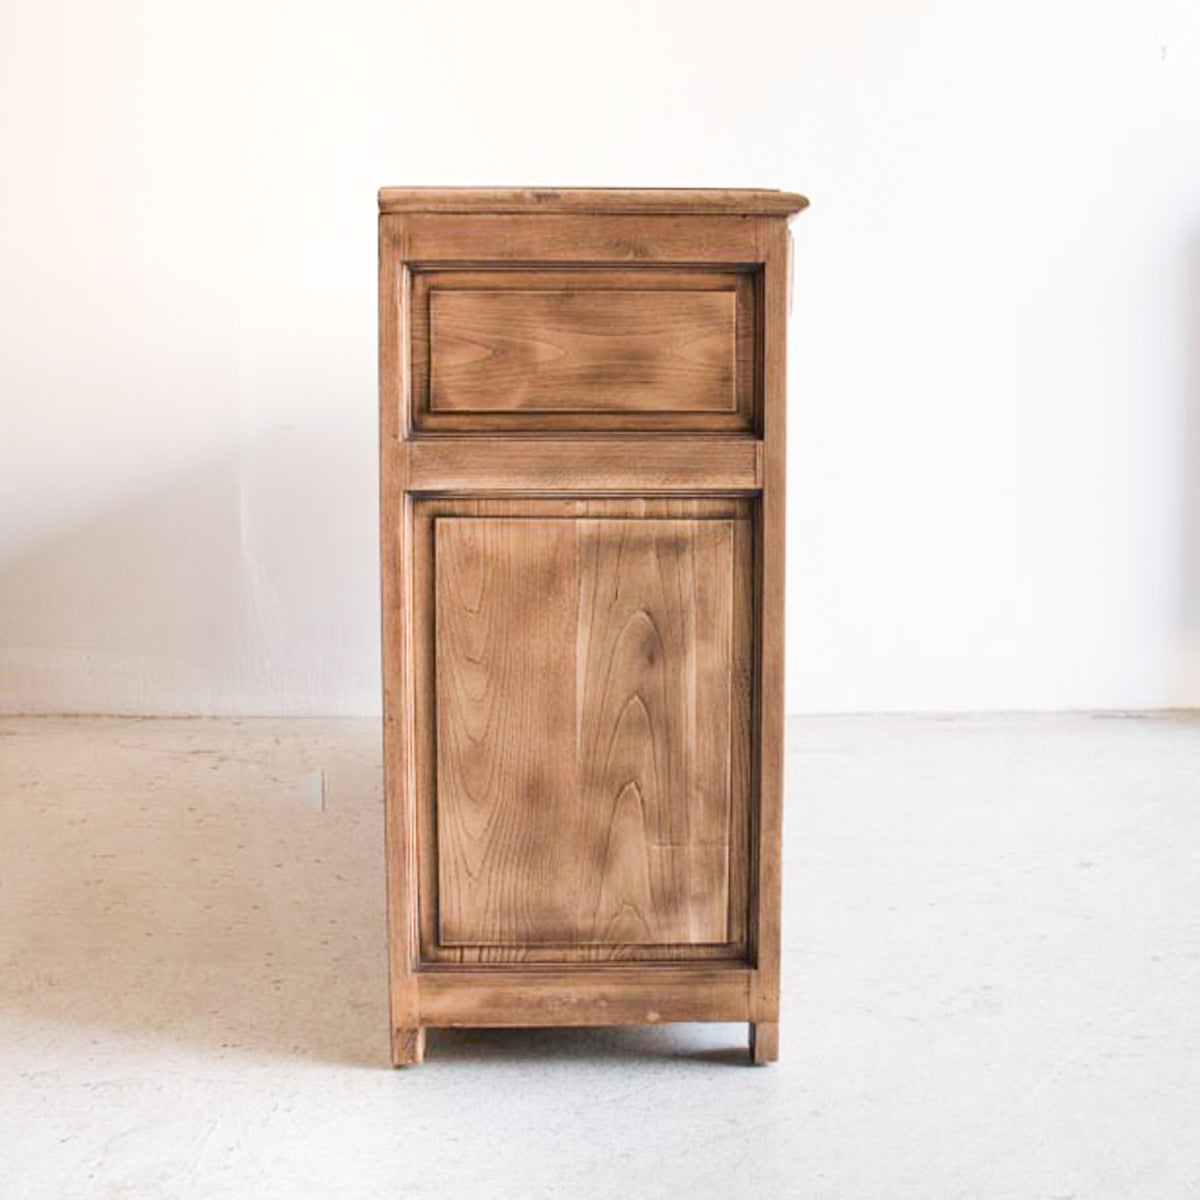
{"points": [[676, 201]]}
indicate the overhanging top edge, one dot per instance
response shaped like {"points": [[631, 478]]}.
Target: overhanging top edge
{"points": [[612, 201]]}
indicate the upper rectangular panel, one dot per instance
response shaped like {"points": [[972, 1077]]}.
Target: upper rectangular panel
{"points": [[594, 348], [597, 350]]}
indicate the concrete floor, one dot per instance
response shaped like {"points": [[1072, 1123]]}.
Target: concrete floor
{"points": [[992, 982]]}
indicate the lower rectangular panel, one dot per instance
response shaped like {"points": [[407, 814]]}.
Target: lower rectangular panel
{"points": [[584, 720], [583, 672], [610, 996]]}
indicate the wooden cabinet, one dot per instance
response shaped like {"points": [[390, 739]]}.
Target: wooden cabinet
{"points": [[582, 451]]}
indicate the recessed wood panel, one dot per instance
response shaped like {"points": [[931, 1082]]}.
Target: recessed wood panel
{"points": [[654, 670], [546, 348], [571, 351], [585, 671]]}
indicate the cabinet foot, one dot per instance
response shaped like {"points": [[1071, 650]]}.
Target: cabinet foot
{"points": [[408, 1047], [764, 1042]]}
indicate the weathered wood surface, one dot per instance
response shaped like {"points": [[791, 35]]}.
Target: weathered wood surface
{"points": [[570, 349], [531, 464], [584, 672], [541, 351], [582, 518], [736, 201]]}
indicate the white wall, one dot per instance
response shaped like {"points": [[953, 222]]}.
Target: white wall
{"points": [[995, 437]]}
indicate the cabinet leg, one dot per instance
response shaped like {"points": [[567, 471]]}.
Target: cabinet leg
{"points": [[408, 1046], [764, 1042]]}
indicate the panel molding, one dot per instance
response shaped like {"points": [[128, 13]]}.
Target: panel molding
{"points": [[718, 522], [602, 348]]}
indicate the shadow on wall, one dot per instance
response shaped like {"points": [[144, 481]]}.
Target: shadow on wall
{"points": [[248, 586], [1187, 681]]}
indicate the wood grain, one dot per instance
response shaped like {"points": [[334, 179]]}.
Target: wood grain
{"points": [[408, 1045], [399, 758], [567, 349], [426, 512], [766, 902], [584, 672], [764, 1042], [595, 351], [570, 239], [611, 995], [654, 670], [739, 512], [614, 566], [682, 201], [526, 464], [507, 795]]}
